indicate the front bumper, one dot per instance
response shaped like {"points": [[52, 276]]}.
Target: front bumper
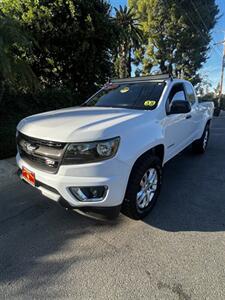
{"points": [[112, 173]]}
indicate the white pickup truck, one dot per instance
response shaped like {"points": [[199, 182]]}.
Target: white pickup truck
{"points": [[110, 151]]}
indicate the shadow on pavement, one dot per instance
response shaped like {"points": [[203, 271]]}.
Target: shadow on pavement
{"points": [[193, 192], [39, 239]]}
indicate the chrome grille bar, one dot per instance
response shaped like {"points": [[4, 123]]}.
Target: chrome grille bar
{"points": [[43, 155]]}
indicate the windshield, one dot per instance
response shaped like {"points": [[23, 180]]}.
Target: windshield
{"points": [[128, 95]]}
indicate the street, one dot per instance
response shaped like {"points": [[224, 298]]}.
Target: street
{"points": [[177, 252]]}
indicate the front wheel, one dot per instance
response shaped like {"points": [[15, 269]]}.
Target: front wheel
{"points": [[143, 188], [199, 146]]}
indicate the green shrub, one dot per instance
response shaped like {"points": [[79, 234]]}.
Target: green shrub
{"points": [[16, 106], [7, 136]]}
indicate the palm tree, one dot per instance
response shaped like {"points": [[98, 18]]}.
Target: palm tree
{"points": [[14, 44], [130, 37]]}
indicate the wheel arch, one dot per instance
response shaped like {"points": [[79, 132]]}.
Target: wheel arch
{"points": [[158, 150], [208, 122]]}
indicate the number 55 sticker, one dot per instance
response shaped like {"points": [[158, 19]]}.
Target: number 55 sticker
{"points": [[149, 103]]}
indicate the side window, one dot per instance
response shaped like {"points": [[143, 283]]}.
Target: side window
{"points": [[190, 93], [177, 93], [179, 96]]}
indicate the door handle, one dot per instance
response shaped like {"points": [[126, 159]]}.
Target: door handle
{"points": [[188, 116]]}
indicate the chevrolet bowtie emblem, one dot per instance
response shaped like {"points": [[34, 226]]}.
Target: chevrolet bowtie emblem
{"points": [[29, 147]]}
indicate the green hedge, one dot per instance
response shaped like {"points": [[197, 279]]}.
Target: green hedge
{"points": [[15, 107], [7, 136]]}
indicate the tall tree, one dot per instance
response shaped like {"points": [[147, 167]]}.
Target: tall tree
{"points": [[217, 90], [74, 38], [14, 46], [129, 38], [177, 34]]}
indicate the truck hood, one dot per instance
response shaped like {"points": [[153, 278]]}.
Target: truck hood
{"points": [[79, 124]]}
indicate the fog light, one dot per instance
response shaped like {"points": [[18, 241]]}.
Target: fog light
{"points": [[89, 194]]}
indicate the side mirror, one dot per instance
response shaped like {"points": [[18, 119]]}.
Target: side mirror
{"points": [[180, 107]]}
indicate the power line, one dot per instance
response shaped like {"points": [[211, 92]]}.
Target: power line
{"points": [[222, 72], [197, 11], [195, 8], [223, 57], [195, 26]]}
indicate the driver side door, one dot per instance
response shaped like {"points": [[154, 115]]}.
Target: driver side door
{"points": [[177, 126]]}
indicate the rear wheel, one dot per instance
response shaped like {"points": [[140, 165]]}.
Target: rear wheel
{"points": [[199, 146], [143, 188], [217, 111]]}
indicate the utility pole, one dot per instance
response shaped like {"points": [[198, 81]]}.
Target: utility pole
{"points": [[222, 73]]}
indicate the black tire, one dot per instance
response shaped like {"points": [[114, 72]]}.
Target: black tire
{"points": [[217, 111], [199, 146], [130, 204]]}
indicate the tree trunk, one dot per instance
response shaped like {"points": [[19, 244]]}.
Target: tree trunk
{"points": [[123, 61], [129, 62], [2, 90], [170, 69], [162, 66]]}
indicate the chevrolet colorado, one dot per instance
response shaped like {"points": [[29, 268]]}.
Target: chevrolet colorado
{"points": [[110, 151]]}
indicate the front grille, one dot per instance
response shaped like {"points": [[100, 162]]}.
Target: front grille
{"points": [[41, 154]]}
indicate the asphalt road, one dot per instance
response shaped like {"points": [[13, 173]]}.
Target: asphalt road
{"points": [[178, 252]]}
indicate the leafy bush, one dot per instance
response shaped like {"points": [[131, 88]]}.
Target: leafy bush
{"points": [[15, 107]]}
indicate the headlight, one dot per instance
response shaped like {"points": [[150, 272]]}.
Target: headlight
{"points": [[81, 153]]}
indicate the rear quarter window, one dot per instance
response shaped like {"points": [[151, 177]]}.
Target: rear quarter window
{"points": [[190, 93]]}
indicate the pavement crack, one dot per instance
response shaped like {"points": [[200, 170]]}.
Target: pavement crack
{"points": [[176, 289]]}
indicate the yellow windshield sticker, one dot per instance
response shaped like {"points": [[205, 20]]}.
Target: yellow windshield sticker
{"points": [[149, 103], [124, 90]]}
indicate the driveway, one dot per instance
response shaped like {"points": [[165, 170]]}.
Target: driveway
{"points": [[178, 252]]}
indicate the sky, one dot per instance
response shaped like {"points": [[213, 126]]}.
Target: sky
{"points": [[212, 68]]}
